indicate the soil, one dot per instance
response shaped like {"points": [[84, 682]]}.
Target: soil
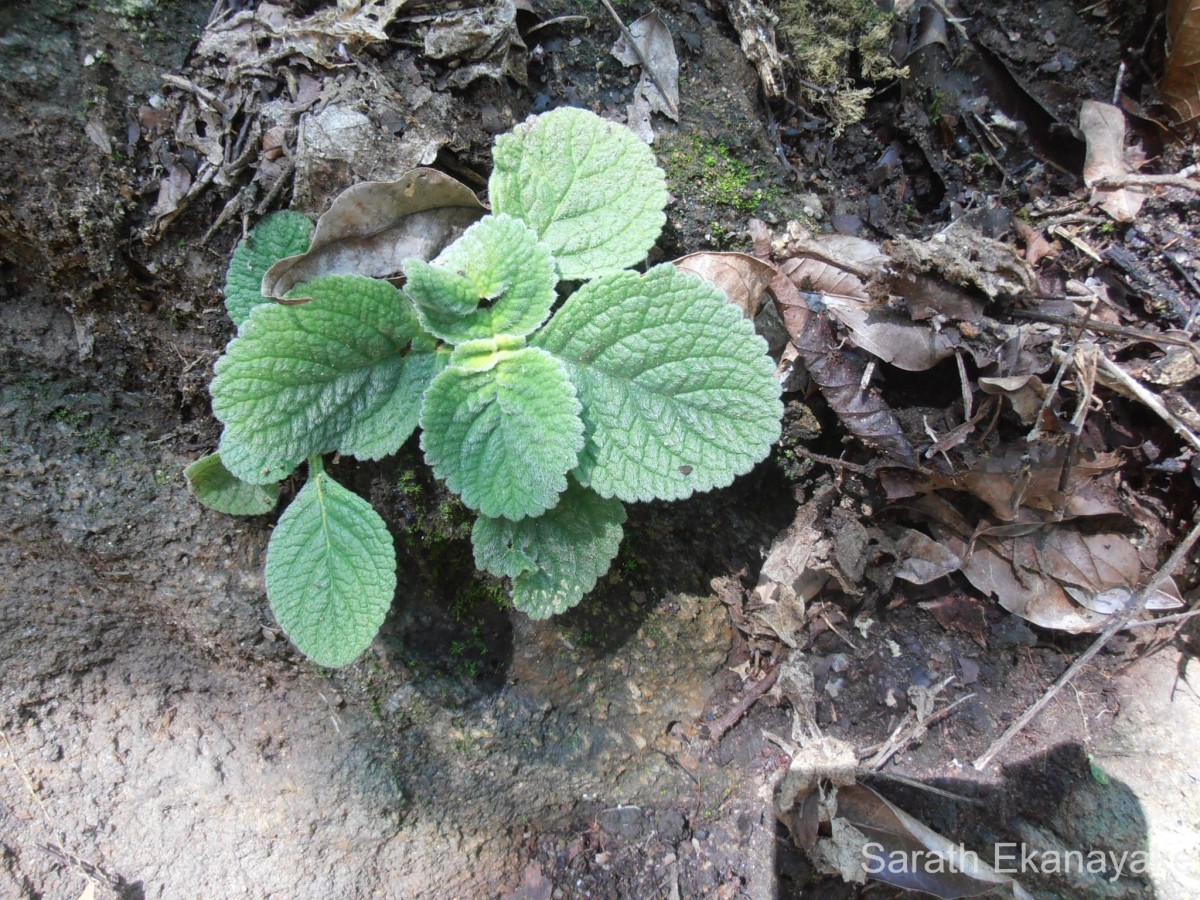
{"points": [[162, 738]]}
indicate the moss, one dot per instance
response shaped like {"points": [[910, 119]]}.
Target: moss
{"points": [[709, 172], [824, 35]]}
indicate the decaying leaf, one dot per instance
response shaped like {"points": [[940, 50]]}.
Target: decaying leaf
{"points": [[338, 145], [372, 227], [921, 559], [658, 87], [1024, 392], [1180, 86], [915, 849], [755, 26], [254, 39], [743, 278], [794, 572], [838, 374], [963, 256], [485, 38], [1014, 478], [1103, 127], [960, 613]]}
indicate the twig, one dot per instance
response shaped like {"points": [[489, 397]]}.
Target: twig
{"points": [[646, 67], [1166, 620], [1067, 360], [717, 729], [831, 461], [1104, 328], [202, 93], [1135, 606], [849, 643], [1136, 179], [1119, 378], [899, 740]]}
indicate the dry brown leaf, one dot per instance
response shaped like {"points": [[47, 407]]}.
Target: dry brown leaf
{"points": [[922, 559], [1024, 392], [1031, 595], [882, 831], [654, 41], [1103, 127], [743, 278], [838, 374], [959, 612], [1015, 479], [373, 227], [1180, 86]]}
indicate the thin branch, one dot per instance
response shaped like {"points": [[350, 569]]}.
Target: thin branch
{"points": [[717, 729], [1134, 608], [1119, 378], [1153, 337], [1137, 180]]}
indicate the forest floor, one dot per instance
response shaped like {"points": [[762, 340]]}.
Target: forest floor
{"points": [[913, 567]]}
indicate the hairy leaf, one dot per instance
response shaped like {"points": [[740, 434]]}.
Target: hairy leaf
{"points": [[495, 279], [555, 558], [501, 426], [331, 571], [372, 227], [343, 372], [218, 489], [589, 188], [275, 237], [678, 392]]}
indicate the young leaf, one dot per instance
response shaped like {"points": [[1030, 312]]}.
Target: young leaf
{"points": [[678, 392], [344, 371], [555, 558], [278, 235], [218, 489], [590, 189], [495, 279], [501, 426], [331, 571]]}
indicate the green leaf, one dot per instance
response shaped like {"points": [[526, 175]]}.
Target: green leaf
{"points": [[501, 426], [678, 392], [218, 489], [495, 279], [555, 558], [344, 371], [331, 571], [277, 236], [590, 189]]}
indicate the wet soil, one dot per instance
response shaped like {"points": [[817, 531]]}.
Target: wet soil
{"points": [[160, 736]]}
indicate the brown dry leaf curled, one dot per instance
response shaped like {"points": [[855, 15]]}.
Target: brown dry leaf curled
{"points": [[1180, 86], [743, 278], [372, 227], [890, 835], [838, 374], [1103, 127]]}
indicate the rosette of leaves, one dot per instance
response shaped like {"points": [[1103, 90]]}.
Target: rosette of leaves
{"points": [[546, 409]]}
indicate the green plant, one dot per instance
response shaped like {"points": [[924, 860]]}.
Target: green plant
{"points": [[544, 416]]}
